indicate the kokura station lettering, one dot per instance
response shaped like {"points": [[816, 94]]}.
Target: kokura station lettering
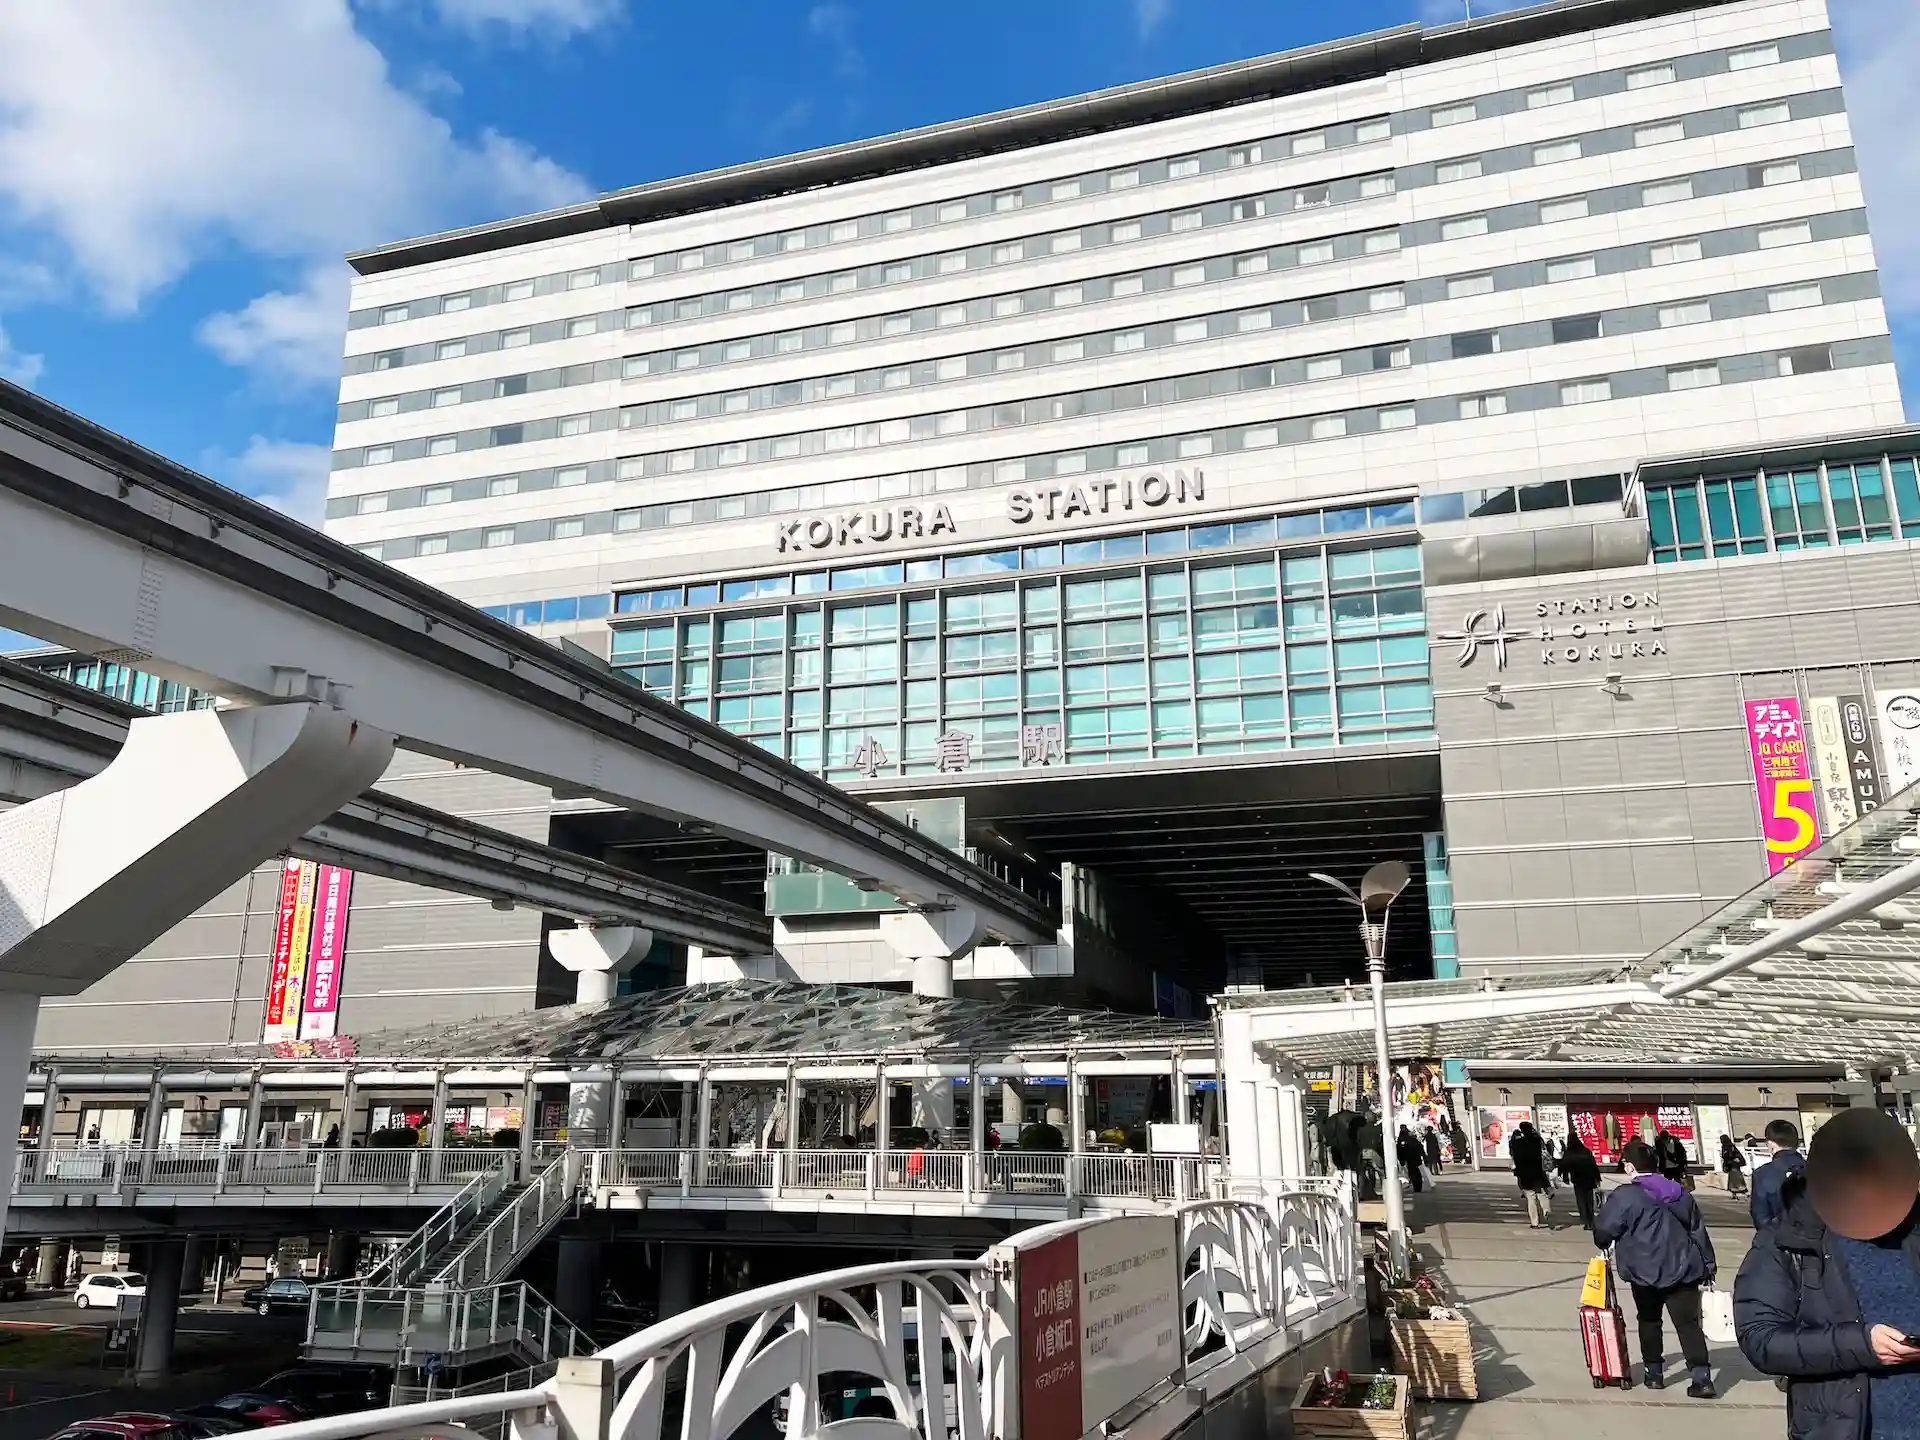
{"points": [[1617, 625], [858, 527], [1084, 499]]}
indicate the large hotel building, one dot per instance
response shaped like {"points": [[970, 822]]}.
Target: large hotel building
{"points": [[1446, 444]]}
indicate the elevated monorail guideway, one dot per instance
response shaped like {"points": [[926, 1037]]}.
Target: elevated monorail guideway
{"points": [[53, 735], [117, 552]]}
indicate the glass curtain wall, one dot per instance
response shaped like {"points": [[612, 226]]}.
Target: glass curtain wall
{"points": [[1806, 507]]}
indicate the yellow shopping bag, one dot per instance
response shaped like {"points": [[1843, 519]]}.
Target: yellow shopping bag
{"points": [[1594, 1292]]}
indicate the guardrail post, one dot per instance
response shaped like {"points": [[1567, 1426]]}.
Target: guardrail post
{"points": [[583, 1397], [1074, 1178], [413, 1172], [775, 1156], [686, 1173], [119, 1170], [873, 1173], [220, 1173]]}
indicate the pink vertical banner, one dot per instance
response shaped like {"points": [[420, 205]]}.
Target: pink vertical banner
{"points": [[277, 1007], [333, 896], [1783, 777]]}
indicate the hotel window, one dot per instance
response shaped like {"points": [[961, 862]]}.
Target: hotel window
{"points": [[393, 314], [1374, 186], [1586, 392], [896, 325], [1465, 287], [1369, 131], [1185, 220], [1006, 305], [1555, 152], [1692, 312], [1473, 407], [1010, 360], [1190, 275], [1005, 254], [692, 259], [372, 504], [569, 529], [1245, 265], [1464, 228], [951, 264], [740, 300], [1451, 170], [1571, 329], [1128, 285], [1191, 447], [1067, 350], [1798, 512], [1753, 56], [1381, 242], [1858, 496], [1453, 114], [450, 349], [1664, 133], [1065, 242], [1574, 267], [1327, 427], [571, 425], [437, 495], [387, 359], [1755, 116], [1128, 230], [1648, 76], [455, 303], [1545, 95], [581, 279], [1007, 200], [842, 283], [1805, 360], [571, 475], [1183, 168], [1774, 236], [1392, 299], [1397, 417], [842, 231], [1253, 320], [1675, 252], [1474, 344], [686, 359], [1323, 367], [952, 210], [1796, 297], [1129, 340], [443, 445], [636, 269], [1243, 155], [431, 545], [579, 329], [444, 398], [1318, 253], [1667, 192], [380, 409], [1309, 144], [1573, 208], [1784, 172], [518, 290], [896, 222], [1313, 197], [502, 485], [1123, 179], [1692, 377]]}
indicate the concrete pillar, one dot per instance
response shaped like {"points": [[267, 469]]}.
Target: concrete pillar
{"points": [[193, 1266], [50, 1106], [795, 1097], [51, 1272], [153, 1362], [1291, 1104], [250, 1136], [931, 941], [679, 1279], [529, 1103], [1076, 1108], [598, 955], [190, 804], [155, 1116], [1012, 1107], [437, 1133], [576, 1284]]}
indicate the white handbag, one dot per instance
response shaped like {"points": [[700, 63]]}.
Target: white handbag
{"points": [[1716, 1315]]}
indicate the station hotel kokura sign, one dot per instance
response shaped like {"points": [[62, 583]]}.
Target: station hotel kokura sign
{"points": [[1582, 629], [1061, 501]]}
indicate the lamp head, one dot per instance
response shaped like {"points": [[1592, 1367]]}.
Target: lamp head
{"points": [[1346, 891], [1382, 884]]}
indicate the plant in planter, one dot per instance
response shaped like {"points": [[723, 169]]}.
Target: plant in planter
{"points": [[1334, 1403]]}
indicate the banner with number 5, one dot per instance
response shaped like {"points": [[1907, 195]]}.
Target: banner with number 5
{"points": [[1783, 778]]}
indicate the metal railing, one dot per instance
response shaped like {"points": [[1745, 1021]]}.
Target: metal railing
{"points": [[411, 1322], [114, 1169], [508, 1236], [443, 1227], [1027, 1175], [934, 1343]]}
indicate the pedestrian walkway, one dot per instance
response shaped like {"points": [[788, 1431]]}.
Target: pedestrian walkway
{"points": [[1521, 1288]]}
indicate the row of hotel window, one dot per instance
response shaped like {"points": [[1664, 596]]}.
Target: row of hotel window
{"points": [[999, 202], [1807, 507]]}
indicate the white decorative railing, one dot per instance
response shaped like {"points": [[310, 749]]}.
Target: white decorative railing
{"points": [[516, 1229], [924, 1342], [220, 1169]]}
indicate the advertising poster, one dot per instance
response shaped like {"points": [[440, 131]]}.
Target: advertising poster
{"points": [[1899, 736], [1100, 1322], [333, 895], [1783, 778], [1551, 1121], [1830, 765], [276, 1026], [299, 948], [1714, 1121], [1863, 754], [1495, 1127], [1605, 1129]]}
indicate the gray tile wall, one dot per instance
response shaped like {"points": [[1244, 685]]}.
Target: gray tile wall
{"points": [[1585, 827]]}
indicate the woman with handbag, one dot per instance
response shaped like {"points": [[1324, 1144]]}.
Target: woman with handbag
{"points": [[1735, 1166]]}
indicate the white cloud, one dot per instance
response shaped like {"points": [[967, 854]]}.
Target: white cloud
{"points": [[211, 124], [290, 477], [20, 368], [558, 19], [1150, 15], [834, 24], [292, 337], [1445, 12]]}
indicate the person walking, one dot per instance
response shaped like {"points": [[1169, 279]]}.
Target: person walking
{"points": [[1435, 1161], [1530, 1173], [1580, 1170], [1830, 1290], [1784, 1161], [1662, 1250], [1462, 1148], [1407, 1151], [1670, 1151], [1734, 1164]]}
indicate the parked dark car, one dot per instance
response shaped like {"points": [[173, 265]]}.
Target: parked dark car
{"points": [[330, 1389], [250, 1409], [284, 1296]]}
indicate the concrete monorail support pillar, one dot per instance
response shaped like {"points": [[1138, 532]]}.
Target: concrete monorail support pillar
{"points": [[153, 1363], [598, 955], [89, 876], [576, 1283]]}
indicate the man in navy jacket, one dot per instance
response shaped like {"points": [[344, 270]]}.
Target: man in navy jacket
{"points": [[1661, 1249], [1783, 1140]]}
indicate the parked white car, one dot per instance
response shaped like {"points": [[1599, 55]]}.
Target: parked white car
{"points": [[106, 1288]]}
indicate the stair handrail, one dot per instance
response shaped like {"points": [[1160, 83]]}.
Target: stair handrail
{"points": [[441, 1227], [522, 1224], [452, 1321]]}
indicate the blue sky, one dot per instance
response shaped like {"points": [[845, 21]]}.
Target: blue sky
{"points": [[179, 178]]}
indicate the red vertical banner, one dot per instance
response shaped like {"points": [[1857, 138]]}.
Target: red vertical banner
{"points": [[276, 1011], [1047, 1281], [333, 898], [1783, 778]]}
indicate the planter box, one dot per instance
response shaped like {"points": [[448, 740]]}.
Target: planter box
{"points": [[1437, 1356], [1311, 1420]]}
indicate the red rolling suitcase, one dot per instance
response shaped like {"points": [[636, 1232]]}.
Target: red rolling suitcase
{"points": [[1603, 1331]]}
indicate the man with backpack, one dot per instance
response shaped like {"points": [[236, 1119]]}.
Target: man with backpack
{"points": [[1662, 1251]]}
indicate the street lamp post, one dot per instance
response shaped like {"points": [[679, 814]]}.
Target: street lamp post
{"points": [[1379, 888]]}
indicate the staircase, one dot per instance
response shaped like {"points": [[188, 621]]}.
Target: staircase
{"points": [[442, 1299]]}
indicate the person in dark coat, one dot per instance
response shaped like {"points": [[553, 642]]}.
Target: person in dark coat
{"points": [[1662, 1250], [1671, 1153], [1407, 1151], [1530, 1173], [1580, 1170], [1734, 1164], [1462, 1148], [1435, 1161], [1783, 1141], [1830, 1291]]}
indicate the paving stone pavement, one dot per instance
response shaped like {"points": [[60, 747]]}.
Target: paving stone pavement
{"points": [[1521, 1289]]}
